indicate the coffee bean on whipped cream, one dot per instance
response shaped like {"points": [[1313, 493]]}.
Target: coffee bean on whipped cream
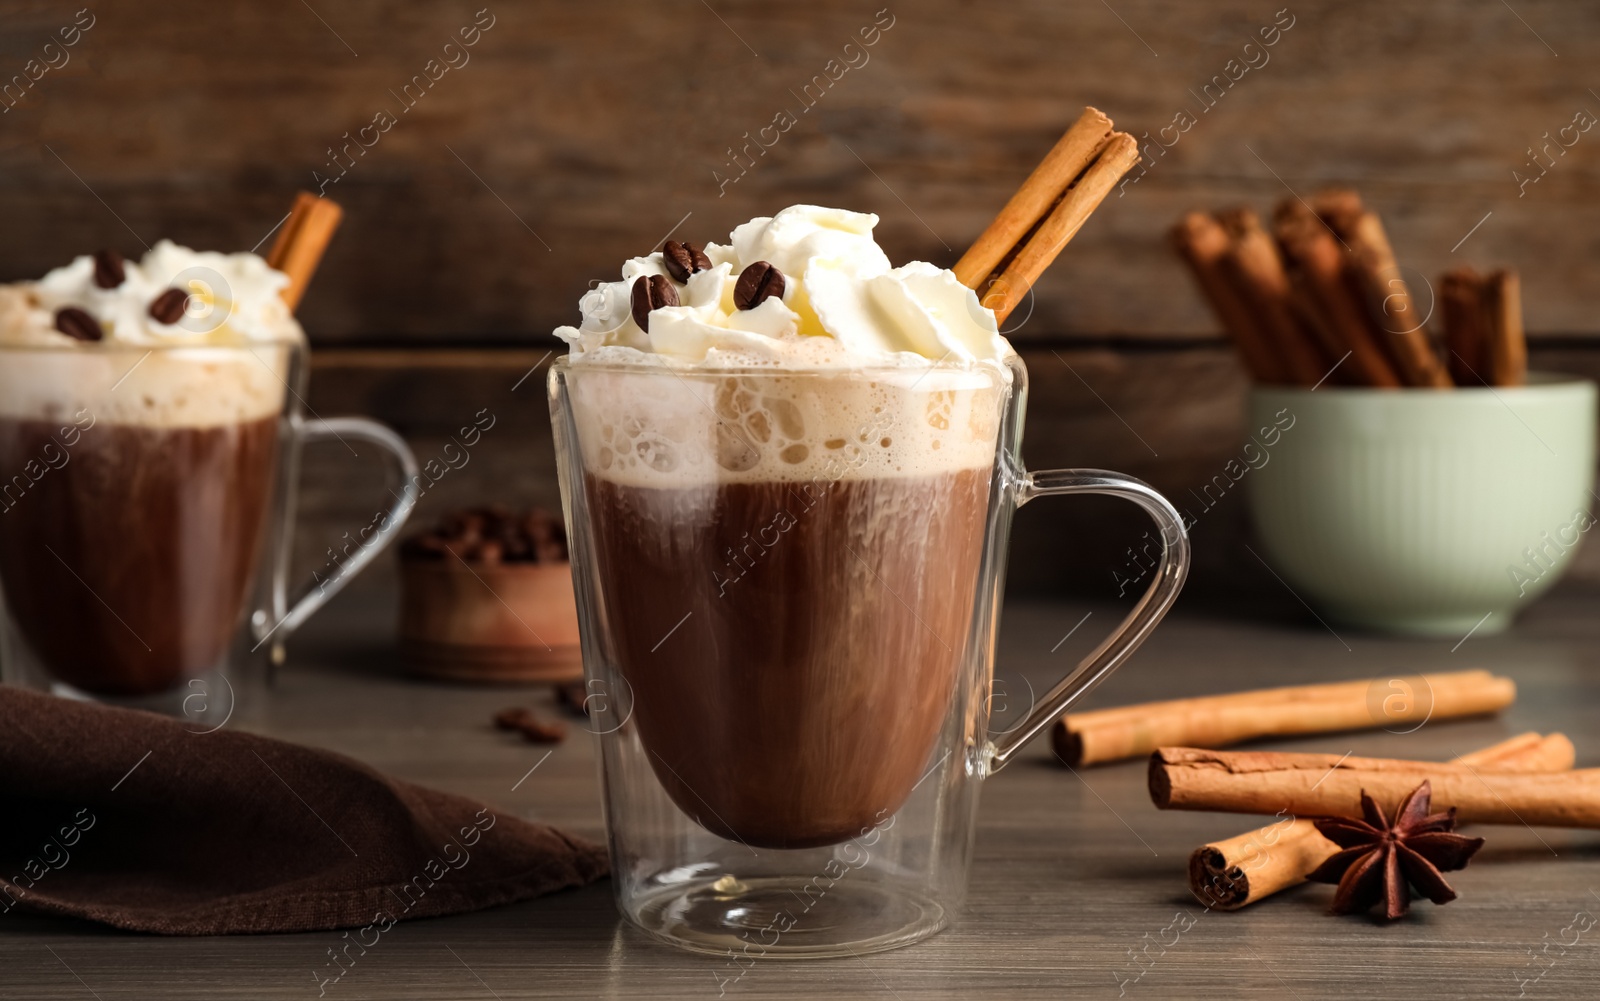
{"points": [[108, 270], [757, 283], [78, 324], [651, 292], [169, 306], [683, 259]]}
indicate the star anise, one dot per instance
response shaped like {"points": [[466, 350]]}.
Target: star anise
{"points": [[1380, 859]]}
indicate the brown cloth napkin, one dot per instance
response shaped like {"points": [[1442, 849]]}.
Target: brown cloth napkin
{"points": [[131, 819]]}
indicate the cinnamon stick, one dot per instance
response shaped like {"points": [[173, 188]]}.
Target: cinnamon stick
{"points": [[1102, 735], [1327, 785], [1508, 346], [1202, 243], [1318, 263], [1375, 275], [1120, 152], [1257, 270], [1072, 153], [302, 241], [1238, 871], [1466, 337]]}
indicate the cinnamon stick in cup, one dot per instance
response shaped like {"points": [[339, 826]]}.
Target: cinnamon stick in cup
{"points": [[1328, 785], [1238, 871], [302, 241], [1072, 153], [1101, 735], [1046, 212], [1119, 153]]}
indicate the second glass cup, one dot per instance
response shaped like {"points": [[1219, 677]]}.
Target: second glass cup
{"points": [[145, 538]]}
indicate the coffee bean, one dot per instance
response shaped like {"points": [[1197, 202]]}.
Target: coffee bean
{"points": [[77, 323], [683, 259], [757, 283], [108, 270], [489, 535], [533, 729], [573, 696], [489, 552], [169, 306], [651, 292]]}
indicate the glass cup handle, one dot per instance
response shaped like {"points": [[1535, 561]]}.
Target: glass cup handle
{"points": [[1116, 648], [284, 619]]}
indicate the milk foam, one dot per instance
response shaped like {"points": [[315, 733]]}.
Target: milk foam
{"points": [[225, 361], [859, 370], [161, 387], [645, 427]]}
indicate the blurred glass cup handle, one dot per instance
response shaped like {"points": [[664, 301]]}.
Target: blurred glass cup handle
{"points": [[282, 619]]}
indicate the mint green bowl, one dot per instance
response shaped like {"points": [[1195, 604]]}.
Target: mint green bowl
{"points": [[1419, 511]]}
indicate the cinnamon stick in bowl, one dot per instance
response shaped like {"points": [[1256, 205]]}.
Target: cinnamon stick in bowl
{"points": [[1508, 345], [1257, 271], [1375, 274], [1238, 871], [1203, 244], [1318, 262], [1124, 732], [1466, 336]]}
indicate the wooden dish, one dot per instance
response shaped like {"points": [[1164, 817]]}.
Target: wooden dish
{"points": [[499, 623]]}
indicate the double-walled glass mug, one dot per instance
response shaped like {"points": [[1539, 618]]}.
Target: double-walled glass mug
{"points": [[146, 513], [788, 587]]}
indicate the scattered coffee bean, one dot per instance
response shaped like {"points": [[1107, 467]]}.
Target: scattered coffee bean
{"points": [[77, 323], [571, 696], [533, 729], [651, 292], [108, 270], [170, 306], [683, 259], [757, 283]]}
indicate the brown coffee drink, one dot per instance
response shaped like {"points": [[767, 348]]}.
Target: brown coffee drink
{"points": [[788, 568], [128, 561], [791, 697]]}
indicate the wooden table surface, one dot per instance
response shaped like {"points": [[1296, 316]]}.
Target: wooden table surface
{"points": [[1075, 875]]}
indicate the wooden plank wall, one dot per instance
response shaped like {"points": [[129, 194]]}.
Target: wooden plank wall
{"points": [[569, 136], [573, 135]]}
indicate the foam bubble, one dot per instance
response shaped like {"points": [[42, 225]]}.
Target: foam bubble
{"points": [[687, 428], [161, 387]]}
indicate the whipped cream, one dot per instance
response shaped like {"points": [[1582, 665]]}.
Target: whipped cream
{"points": [[225, 360], [233, 297], [843, 305], [860, 370]]}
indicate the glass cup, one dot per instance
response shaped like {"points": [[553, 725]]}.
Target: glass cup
{"points": [[788, 586], [146, 517]]}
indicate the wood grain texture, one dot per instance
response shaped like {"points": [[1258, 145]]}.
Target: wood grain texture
{"points": [[1071, 872], [1171, 415], [580, 134]]}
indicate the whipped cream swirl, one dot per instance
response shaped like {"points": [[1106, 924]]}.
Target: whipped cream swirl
{"points": [[843, 305], [225, 359], [232, 298]]}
